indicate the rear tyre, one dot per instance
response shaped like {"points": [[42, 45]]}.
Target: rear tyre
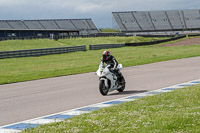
{"points": [[123, 83], [102, 88]]}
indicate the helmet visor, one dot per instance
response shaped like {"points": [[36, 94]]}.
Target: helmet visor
{"points": [[105, 57]]}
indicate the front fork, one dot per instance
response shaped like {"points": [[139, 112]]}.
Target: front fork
{"points": [[105, 82]]}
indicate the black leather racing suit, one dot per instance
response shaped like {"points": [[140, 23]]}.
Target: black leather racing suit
{"points": [[113, 65]]}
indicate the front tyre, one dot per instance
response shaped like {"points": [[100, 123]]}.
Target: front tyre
{"points": [[102, 88], [123, 83]]}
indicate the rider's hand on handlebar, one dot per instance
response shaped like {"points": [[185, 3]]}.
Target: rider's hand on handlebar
{"points": [[113, 69]]}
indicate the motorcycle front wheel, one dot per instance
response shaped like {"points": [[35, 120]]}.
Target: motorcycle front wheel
{"points": [[123, 83], [102, 88]]}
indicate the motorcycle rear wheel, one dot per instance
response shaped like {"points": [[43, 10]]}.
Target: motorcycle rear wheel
{"points": [[102, 88]]}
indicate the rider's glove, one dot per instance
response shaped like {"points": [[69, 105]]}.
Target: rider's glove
{"points": [[113, 69]]}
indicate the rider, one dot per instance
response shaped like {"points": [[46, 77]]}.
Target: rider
{"points": [[110, 60]]}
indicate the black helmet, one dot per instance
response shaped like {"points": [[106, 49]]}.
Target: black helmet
{"points": [[106, 55]]}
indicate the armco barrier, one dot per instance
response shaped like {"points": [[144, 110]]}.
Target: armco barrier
{"points": [[105, 46], [154, 42], [40, 52]]}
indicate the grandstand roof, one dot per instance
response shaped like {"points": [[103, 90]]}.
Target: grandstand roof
{"points": [[49, 25], [164, 20]]}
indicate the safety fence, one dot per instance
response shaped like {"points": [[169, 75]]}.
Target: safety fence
{"points": [[56, 37], [40, 52], [23, 38]]}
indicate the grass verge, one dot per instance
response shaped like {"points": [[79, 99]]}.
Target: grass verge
{"points": [[173, 112], [47, 43]]}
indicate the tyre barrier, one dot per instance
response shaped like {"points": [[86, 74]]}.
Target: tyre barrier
{"points": [[154, 42]]}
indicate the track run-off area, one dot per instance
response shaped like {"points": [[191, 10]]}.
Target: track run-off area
{"points": [[32, 99]]}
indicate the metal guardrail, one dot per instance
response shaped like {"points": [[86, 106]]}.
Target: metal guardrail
{"points": [[105, 46], [40, 52]]}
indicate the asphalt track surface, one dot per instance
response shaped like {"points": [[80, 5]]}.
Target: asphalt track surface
{"points": [[28, 100]]}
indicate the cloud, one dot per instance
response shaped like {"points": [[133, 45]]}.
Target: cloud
{"points": [[12, 2], [99, 10], [91, 6]]}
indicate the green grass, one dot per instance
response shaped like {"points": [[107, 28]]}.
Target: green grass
{"points": [[28, 44], [31, 68], [47, 43], [107, 40], [174, 112]]}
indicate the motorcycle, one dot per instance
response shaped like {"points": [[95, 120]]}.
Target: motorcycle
{"points": [[108, 81]]}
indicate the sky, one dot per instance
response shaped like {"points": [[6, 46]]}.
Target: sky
{"points": [[99, 10]]}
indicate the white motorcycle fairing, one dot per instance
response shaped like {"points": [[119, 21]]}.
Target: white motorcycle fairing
{"points": [[109, 78]]}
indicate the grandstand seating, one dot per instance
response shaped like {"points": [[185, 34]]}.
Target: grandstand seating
{"points": [[150, 21], [160, 20], [49, 24], [17, 24], [81, 24], [84, 26], [176, 19], [33, 25], [65, 24], [192, 18], [129, 21], [144, 20], [4, 25]]}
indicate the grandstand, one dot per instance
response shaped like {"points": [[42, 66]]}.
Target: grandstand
{"points": [[155, 21], [60, 27]]}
